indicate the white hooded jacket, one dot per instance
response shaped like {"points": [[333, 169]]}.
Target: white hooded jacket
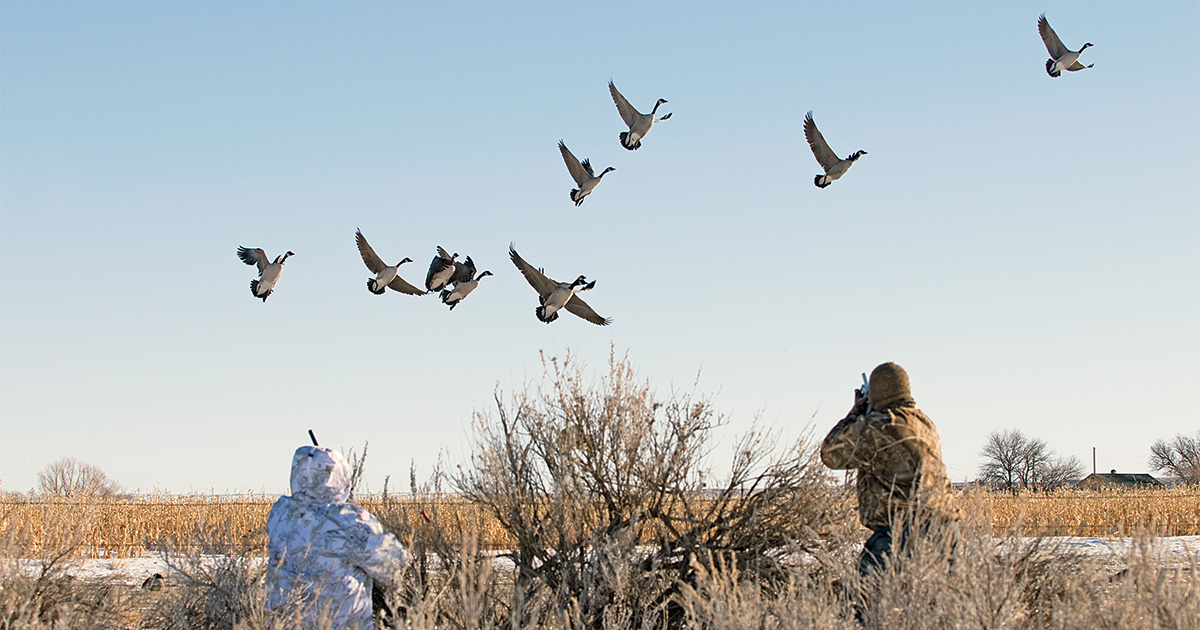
{"points": [[326, 553]]}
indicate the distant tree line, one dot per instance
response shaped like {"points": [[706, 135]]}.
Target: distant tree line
{"points": [[1014, 461]]}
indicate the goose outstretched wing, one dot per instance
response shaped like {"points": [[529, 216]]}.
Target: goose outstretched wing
{"points": [[579, 308], [628, 113], [825, 156], [1054, 45], [538, 280], [254, 256], [372, 260], [398, 284], [578, 173]]}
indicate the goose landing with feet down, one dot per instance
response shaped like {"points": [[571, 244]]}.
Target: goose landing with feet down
{"points": [[582, 174], [834, 166], [441, 270], [555, 296], [462, 290], [268, 272], [639, 123], [386, 276], [1061, 57]]}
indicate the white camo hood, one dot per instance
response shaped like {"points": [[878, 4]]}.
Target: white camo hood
{"points": [[320, 474]]}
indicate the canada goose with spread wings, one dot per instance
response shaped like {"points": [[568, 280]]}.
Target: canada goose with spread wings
{"points": [[834, 166], [582, 173], [554, 295], [268, 272], [1061, 57], [639, 124], [386, 276]]}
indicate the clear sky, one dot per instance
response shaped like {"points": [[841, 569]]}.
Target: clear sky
{"points": [[1027, 247]]}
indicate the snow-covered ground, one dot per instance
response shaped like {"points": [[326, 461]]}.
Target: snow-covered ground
{"points": [[1176, 550]]}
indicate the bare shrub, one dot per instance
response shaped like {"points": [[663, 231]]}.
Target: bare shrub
{"points": [[69, 477], [600, 489]]}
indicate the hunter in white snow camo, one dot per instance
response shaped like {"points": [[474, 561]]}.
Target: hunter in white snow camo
{"points": [[325, 553]]}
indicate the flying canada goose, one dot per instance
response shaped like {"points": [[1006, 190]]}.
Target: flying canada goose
{"points": [[834, 167], [582, 174], [268, 272], [639, 123], [385, 274], [556, 295], [1061, 58], [462, 290], [441, 269]]}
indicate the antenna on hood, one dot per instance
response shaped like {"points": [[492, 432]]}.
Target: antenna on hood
{"points": [[312, 437]]}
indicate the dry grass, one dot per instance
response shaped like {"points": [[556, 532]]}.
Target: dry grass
{"points": [[129, 527]]}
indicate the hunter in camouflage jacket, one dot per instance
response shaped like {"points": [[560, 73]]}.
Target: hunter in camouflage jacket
{"points": [[896, 451]]}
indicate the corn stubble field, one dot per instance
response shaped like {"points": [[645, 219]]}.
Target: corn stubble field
{"points": [[589, 491], [122, 528]]}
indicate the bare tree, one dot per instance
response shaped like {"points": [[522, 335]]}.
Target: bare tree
{"points": [[1179, 457], [1014, 461], [69, 477]]}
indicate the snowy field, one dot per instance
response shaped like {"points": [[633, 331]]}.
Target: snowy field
{"points": [[1173, 551]]}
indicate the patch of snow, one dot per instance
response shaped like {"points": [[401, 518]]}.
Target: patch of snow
{"points": [[1173, 550]]}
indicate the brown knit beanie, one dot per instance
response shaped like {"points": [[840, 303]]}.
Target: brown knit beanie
{"points": [[888, 386]]}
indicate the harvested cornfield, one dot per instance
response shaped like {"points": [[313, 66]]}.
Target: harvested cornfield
{"points": [[1162, 511], [123, 527], [130, 526]]}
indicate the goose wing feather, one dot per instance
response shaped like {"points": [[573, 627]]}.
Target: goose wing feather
{"points": [[372, 260], [538, 280], [579, 308], [825, 156], [628, 113], [1054, 45], [437, 265], [578, 173], [254, 256], [398, 284], [463, 271]]}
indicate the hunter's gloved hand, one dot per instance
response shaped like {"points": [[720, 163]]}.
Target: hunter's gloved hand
{"points": [[860, 404]]}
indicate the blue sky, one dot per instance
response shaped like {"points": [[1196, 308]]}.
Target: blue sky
{"points": [[1026, 247]]}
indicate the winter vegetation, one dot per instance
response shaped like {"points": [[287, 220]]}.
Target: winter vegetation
{"points": [[1178, 457], [582, 507]]}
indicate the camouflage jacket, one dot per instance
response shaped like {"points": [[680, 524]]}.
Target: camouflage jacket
{"points": [[898, 456]]}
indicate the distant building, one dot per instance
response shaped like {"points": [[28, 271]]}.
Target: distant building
{"points": [[1115, 480]]}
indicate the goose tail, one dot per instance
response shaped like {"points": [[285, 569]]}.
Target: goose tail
{"points": [[541, 314], [624, 136], [821, 181], [1050, 68], [576, 197], [374, 287], [254, 291]]}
